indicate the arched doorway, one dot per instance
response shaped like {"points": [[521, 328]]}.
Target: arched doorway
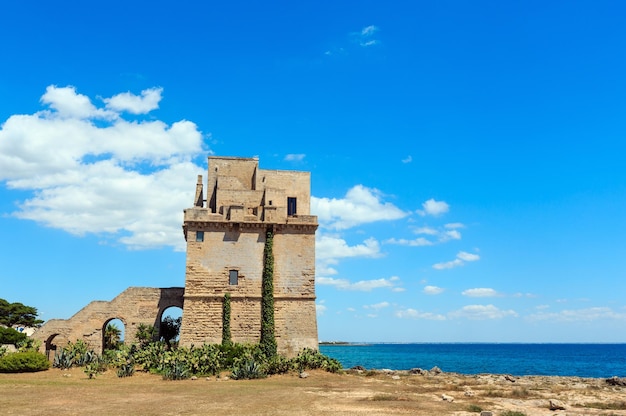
{"points": [[51, 347], [169, 325], [113, 332]]}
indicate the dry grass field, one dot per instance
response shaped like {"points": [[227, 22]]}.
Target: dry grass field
{"points": [[70, 392]]}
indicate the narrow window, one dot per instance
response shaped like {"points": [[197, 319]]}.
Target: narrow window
{"points": [[233, 277], [199, 236], [291, 206]]}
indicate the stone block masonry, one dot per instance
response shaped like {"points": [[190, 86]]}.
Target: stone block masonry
{"points": [[225, 241], [225, 236]]}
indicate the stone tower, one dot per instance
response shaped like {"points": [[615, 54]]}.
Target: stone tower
{"points": [[225, 236]]}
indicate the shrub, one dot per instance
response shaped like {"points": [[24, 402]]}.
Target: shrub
{"points": [[126, 370], [310, 359], [247, 370], [63, 359], [512, 413], [3, 351], [474, 408], [23, 362], [278, 365], [175, 370], [11, 336]]}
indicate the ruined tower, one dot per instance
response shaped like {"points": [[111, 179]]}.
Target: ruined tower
{"points": [[226, 233]]}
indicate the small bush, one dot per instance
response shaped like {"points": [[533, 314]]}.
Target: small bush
{"points": [[24, 362], [512, 413], [126, 370], [474, 408], [63, 359], [175, 370], [248, 370], [310, 359], [278, 365]]}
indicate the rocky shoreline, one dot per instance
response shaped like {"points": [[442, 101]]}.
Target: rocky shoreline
{"points": [[496, 394]]}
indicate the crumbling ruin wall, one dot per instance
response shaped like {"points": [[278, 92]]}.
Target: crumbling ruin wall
{"points": [[134, 306]]}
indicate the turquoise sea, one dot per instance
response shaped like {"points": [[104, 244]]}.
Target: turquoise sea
{"points": [[582, 360]]}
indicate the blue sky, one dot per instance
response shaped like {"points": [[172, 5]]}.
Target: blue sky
{"points": [[467, 158]]}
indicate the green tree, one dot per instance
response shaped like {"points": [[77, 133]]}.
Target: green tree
{"points": [[112, 336], [145, 334], [18, 314], [170, 328], [11, 336]]}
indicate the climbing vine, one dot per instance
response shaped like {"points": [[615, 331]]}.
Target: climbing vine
{"points": [[226, 339], [268, 338]]}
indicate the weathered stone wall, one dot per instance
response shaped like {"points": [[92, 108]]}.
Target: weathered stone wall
{"points": [[134, 306], [228, 235]]}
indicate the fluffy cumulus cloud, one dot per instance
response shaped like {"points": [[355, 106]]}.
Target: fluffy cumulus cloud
{"points": [[377, 306], [135, 104], [91, 170], [480, 292], [415, 314], [433, 290], [434, 208], [361, 205], [447, 232], [461, 258], [482, 312], [361, 285]]}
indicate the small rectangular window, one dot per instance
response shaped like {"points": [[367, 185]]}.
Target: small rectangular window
{"points": [[199, 236], [233, 277], [291, 206]]}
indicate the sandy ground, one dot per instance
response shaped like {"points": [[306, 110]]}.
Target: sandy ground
{"points": [[70, 392]]}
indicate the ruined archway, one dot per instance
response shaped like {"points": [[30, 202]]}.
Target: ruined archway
{"points": [[113, 333], [170, 322]]}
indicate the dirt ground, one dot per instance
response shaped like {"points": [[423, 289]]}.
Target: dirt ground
{"points": [[70, 392]]}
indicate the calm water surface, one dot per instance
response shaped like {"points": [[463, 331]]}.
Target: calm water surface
{"points": [[582, 360]]}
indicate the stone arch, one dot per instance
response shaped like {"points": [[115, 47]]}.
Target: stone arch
{"points": [[122, 330], [50, 347], [134, 306]]}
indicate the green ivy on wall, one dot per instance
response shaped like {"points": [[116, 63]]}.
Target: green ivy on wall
{"points": [[268, 338], [226, 338]]}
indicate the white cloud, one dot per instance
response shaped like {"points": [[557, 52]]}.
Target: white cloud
{"points": [[408, 159], [295, 157], [418, 242], [461, 258], [579, 315], [330, 247], [434, 208], [135, 104], [68, 104], [465, 256], [454, 225], [377, 306], [365, 37], [415, 314], [480, 292], [361, 205], [482, 312], [92, 171], [448, 264], [433, 290], [320, 309], [361, 285]]}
